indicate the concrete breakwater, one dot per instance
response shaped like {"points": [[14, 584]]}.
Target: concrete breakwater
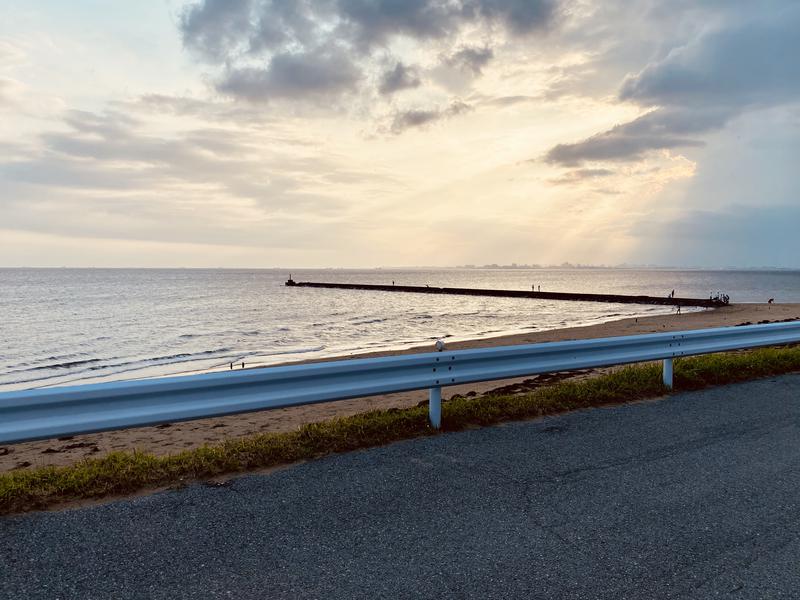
{"points": [[571, 296]]}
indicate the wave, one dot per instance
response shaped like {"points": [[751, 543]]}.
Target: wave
{"points": [[367, 322], [95, 366], [120, 368], [35, 364], [64, 365]]}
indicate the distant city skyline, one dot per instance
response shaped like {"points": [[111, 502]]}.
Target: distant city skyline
{"points": [[372, 133]]}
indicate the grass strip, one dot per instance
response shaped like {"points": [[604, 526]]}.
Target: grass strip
{"points": [[127, 472]]}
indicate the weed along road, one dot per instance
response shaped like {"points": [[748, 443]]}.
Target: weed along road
{"points": [[693, 496]]}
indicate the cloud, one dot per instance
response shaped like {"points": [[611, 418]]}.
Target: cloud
{"points": [[10, 54], [372, 22], [580, 175], [472, 59], [700, 86], [752, 63], [249, 40], [519, 16], [214, 28], [656, 130], [504, 101], [409, 119], [399, 78], [320, 74], [10, 90], [108, 152]]}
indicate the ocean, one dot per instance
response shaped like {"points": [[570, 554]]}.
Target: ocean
{"points": [[71, 326]]}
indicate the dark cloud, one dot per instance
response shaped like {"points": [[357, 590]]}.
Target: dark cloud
{"points": [[373, 21], [214, 28], [753, 63], [699, 86], [414, 118], [236, 34], [471, 59], [519, 16], [631, 141], [399, 78], [321, 73], [417, 118]]}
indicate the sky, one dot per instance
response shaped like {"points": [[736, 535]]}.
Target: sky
{"points": [[367, 133]]}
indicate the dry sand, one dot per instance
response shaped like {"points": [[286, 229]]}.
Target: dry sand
{"points": [[173, 438]]}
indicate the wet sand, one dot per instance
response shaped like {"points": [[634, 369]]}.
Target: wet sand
{"points": [[173, 438]]}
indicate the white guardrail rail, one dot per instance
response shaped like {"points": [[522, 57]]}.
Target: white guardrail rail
{"points": [[61, 411]]}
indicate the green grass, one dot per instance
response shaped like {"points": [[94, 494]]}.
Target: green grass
{"points": [[127, 472]]}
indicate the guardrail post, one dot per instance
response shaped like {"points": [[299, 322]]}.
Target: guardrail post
{"points": [[435, 407], [668, 372]]}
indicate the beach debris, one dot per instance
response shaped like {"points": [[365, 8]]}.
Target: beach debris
{"points": [[439, 345], [5, 451], [92, 446]]}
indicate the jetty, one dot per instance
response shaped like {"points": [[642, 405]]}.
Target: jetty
{"points": [[571, 296]]}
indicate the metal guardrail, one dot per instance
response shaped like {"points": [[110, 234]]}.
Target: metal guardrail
{"points": [[60, 411]]}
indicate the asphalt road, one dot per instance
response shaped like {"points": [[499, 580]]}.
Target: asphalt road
{"points": [[695, 496]]}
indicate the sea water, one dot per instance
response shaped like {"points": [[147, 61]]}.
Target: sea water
{"points": [[70, 326]]}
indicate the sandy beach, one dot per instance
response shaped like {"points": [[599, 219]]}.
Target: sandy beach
{"points": [[173, 438]]}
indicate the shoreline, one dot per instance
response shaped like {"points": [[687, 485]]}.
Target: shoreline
{"points": [[174, 438], [300, 357]]}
